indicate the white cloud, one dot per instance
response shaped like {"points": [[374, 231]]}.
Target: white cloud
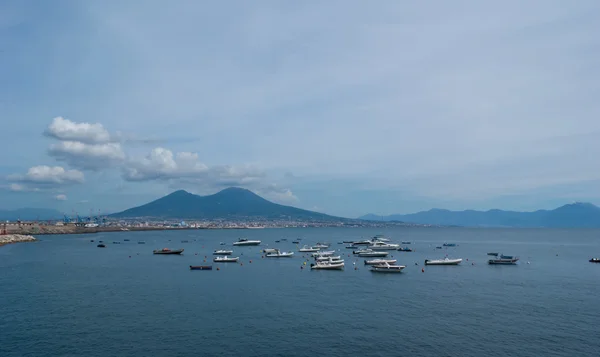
{"points": [[67, 130], [87, 156], [39, 178], [277, 194], [60, 197]]}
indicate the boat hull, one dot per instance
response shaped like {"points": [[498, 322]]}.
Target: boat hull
{"points": [[200, 267], [175, 252], [280, 255], [339, 266], [373, 254], [385, 270], [245, 244], [503, 261], [443, 262], [594, 260], [380, 261]]}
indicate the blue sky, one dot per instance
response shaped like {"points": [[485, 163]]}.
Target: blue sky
{"points": [[345, 107]]}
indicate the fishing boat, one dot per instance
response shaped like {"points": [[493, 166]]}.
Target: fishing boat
{"points": [[449, 245], [323, 253], [493, 254], [307, 249], [387, 268], [101, 245], [279, 254], [167, 251], [380, 261], [328, 265], [200, 267], [223, 252], [246, 242], [595, 260], [226, 259], [503, 261], [323, 258], [367, 253], [405, 249], [445, 261], [383, 246]]}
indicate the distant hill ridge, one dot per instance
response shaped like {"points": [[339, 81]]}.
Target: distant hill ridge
{"points": [[575, 215], [233, 202]]}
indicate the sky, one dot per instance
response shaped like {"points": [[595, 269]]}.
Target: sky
{"points": [[343, 107]]}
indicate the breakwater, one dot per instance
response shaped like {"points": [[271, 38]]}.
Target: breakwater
{"points": [[15, 238]]}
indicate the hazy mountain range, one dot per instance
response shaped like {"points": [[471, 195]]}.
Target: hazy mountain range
{"points": [[230, 203], [580, 215]]}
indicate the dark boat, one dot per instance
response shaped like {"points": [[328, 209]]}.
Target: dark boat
{"points": [[502, 256], [405, 249], [185, 241], [503, 261], [101, 245], [141, 242], [449, 245], [126, 240], [493, 254], [167, 251], [276, 241], [438, 247], [92, 241], [116, 242], [406, 243], [595, 260], [296, 242], [100, 241], [200, 267]]}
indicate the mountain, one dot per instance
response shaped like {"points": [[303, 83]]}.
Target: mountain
{"points": [[230, 203], [576, 215], [29, 214]]}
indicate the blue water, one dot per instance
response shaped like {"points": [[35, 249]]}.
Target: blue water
{"points": [[62, 296]]}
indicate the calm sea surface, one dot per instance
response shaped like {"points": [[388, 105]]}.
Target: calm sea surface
{"points": [[62, 296]]}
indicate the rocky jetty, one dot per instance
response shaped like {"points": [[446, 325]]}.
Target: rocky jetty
{"points": [[15, 238]]}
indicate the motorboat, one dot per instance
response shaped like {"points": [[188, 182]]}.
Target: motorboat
{"points": [[321, 245], [328, 265], [380, 238], [295, 242], [348, 241], [387, 268], [223, 252], [125, 240], [406, 242], [503, 261], [307, 249], [270, 250], [493, 254], [92, 240], [438, 247], [226, 259], [246, 242], [141, 242], [101, 245], [116, 242], [277, 241], [167, 251], [595, 260], [362, 242], [371, 253], [449, 245], [322, 258], [383, 246], [279, 254], [502, 256], [323, 253], [445, 261], [283, 239], [200, 267], [222, 243], [380, 261], [351, 247], [404, 249]]}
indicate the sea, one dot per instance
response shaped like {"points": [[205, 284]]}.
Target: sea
{"points": [[63, 296]]}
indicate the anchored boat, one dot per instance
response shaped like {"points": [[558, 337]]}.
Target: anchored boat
{"points": [[200, 267], [368, 253], [246, 242], [383, 246], [595, 260], [328, 265], [226, 259], [380, 261], [387, 268], [279, 254], [405, 249], [167, 251], [444, 261], [223, 252], [307, 249], [503, 261]]}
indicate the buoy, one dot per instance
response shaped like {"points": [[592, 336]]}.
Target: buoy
{"points": [[301, 267], [205, 260], [422, 270], [205, 257], [130, 256], [355, 268], [467, 259], [304, 263], [250, 261], [241, 263], [472, 263], [218, 268]]}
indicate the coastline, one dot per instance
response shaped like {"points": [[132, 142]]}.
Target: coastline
{"points": [[15, 238]]}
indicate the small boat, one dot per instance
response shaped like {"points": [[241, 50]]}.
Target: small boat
{"points": [[125, 240], [101, 245], [92, 241], [323, 258], [348, 241], [284, 239], [277, 241], [323, 253], [438, 247], [406, 243], [100, 241], [225, 259], [380, 238], [371, 253], [493, 254], [185, 241], [405, 249], [328, 265], [502, 256], [222, 243], [141, 242], [223, 252], [350, 247], [270, 250], [380, 261], [167, 251], [279, 254], [200, 267], [383, 246], [307, 249], [295, 242], [321, 245], [246, 242], [503, 261], [595, 260], [116, 242], [362, 242], [387, 268], [445, 261], [449, 245]]}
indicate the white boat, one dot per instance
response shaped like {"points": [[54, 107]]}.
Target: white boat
{"points": [[328, 265], [279, 254], [246, 242], [270, 250], [321, 245], [307, 249], [226, 259], [362, 242], [383, 246], [380, 238], [222, 252], [323, 253], [372, 254], [322, 258], [445, 261], [380, 261], [387, 268]]}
